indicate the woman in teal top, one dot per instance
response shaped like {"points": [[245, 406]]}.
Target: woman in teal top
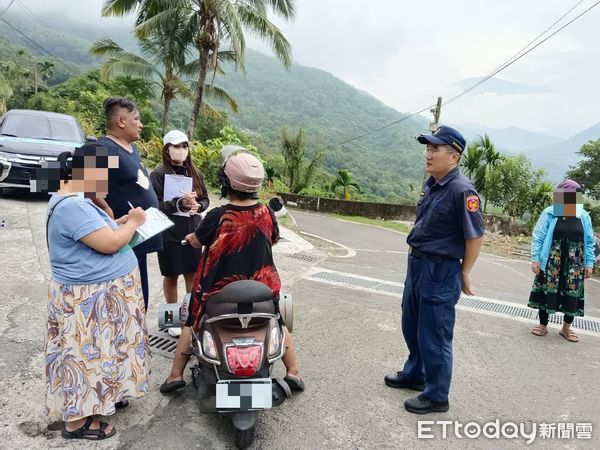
{"points": [[96, 342], [562, 255]]}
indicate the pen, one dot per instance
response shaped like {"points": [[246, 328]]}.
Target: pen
{"points": [[130, 205]]}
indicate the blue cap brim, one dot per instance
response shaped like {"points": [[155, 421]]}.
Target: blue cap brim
{"points": [[430, 139]]}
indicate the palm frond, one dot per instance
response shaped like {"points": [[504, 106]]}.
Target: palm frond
{"points": [[122, 61], [210, 111], [261, 25], [118, 7], [283, 8], [221, 94], [162, 20]]}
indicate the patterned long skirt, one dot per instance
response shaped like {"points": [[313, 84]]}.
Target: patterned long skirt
{"points": [[97, 350], [560, 287]]}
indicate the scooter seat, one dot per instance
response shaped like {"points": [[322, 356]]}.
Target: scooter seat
{"points": [[221, 309], [241, 297], [243, 291]]}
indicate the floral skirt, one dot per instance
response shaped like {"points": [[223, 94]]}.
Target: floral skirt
{"points": [[560, 287], [97, 349]]}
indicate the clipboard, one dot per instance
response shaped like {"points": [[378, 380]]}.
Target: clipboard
{"points": [[174, 186], [156, 222]]}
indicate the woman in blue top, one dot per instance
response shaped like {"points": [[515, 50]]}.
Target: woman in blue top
{"points": [[96, 343], [562, 255]]}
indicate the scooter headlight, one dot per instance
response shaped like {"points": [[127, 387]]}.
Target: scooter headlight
{"points": [[208, 345], [274, 341]]}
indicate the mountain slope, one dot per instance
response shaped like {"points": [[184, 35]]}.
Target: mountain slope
{"points": [[511, 139], [330, 111], [559, 158]]}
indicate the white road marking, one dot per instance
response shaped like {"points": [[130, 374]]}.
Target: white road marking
{"points": [[311, 275], [349, 251]]}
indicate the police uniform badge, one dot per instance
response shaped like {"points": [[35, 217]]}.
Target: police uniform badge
{"points": [[472, 203]]}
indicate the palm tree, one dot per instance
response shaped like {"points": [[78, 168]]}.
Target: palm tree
{"points": [[480, 159], [161, 68], [344, 179], [212, 23], [472, 160], [45, 70]]}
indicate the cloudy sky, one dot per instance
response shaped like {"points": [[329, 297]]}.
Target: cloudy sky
{"points": [[409, 52]]}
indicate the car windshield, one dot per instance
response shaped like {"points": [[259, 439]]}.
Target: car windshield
{"points": [[38, 127]]}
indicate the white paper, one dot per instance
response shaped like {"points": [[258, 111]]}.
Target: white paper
{"points": [[156, 222], [176, 186]]}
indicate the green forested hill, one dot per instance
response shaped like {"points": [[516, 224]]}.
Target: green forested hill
{"points": [[330, 111]]}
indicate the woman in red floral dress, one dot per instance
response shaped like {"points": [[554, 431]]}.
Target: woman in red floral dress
{"points": [[238, 237]]}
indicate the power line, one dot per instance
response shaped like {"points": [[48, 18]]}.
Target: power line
{"points": [[42, 23], [539, 35], [7, 8], [33, 43], [511, 62], [500, 68], [38, 20]]}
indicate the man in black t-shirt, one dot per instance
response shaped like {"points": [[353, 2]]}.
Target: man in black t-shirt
{"points": [[129, 184]]}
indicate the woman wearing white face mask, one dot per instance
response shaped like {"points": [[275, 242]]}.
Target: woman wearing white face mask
{"points": [[183, 208]]}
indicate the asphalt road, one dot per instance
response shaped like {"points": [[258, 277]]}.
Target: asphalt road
{"points": [[347, 333], [381, 253]]}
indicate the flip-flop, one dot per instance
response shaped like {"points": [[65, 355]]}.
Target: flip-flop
{"points": [[295, 384], [571, 337], [538, 331], [171, 386]]}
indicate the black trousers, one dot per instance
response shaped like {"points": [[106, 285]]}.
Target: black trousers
{"points": [[544, 317], [143, 266]]}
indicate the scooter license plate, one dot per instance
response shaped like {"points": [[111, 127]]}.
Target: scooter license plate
{"points": [[244, 395]]}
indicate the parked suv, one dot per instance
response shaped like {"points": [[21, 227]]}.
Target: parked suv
{"points": [[29, 137]]}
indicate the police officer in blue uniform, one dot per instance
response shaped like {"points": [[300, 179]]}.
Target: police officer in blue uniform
{"points": [[443, 247]]}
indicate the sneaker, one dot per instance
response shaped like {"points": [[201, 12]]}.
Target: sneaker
{"points": [[174, 332]]}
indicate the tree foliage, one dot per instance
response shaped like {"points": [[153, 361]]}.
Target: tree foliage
{"points": [[299, 170], [587, 171], [83, 97], [21, 76], [519, 189]]}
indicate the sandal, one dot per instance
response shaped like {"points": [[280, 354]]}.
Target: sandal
{"points": [[171, 386], [122, 404], [539, 330], [84, 432], [295, 384], [570, 336]]}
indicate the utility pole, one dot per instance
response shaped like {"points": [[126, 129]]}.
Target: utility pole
{"points": [[433, 126], [436, 111]]}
